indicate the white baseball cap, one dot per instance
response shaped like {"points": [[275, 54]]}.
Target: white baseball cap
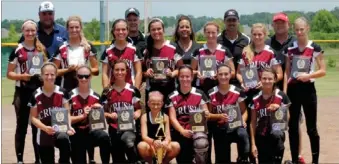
{"points": [[46, 6]]}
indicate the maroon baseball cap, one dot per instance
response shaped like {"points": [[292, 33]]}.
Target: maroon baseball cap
{"points": [[280, 16]]}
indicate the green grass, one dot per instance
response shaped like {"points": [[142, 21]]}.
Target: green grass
{"points": [[327, 86]]}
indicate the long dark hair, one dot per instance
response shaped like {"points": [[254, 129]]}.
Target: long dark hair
{"points": [[176, 35], [150, 40]]}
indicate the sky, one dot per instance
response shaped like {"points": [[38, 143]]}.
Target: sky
{"points": [[89, 9]]}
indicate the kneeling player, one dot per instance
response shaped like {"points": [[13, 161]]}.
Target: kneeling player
{"points": [[155, 131]]}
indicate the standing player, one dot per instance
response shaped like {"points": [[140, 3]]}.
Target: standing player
{"points": [[223, 56], [28, 54], [221, 96], [233, 39], [121, 94], [267, 143], [186, 99], [42, 101], [301, 90], [121, 49], [157, 46], [73, 53], [150, 128], [260, 56], [82, 100]]}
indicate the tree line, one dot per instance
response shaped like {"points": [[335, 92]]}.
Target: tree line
{"points": [[324, 24]]}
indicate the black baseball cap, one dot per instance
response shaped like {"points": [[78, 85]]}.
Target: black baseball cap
{"points": [[132, 10], [231, 14]]}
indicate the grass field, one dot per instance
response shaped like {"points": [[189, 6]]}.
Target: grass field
{"points": [[326, 87]]}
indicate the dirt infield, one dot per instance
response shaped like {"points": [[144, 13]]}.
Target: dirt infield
{"points": [[327, 120]]}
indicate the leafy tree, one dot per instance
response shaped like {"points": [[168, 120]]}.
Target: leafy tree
{"points": [[92, 30], [325, 21], [61, 21]]}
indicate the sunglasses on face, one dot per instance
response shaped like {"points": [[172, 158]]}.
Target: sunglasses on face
{"points": [[83, 76]]}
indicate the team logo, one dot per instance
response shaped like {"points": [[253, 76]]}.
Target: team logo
{"points": [[131, 10], [279, 115], [46, 6], [160, 65], [60, 116], [36, 60], [58, 38], [249, 74], [125, 116], [208, 63], [232, 115], [300, 64], [197, 118], [56, 128], [95, 115]]}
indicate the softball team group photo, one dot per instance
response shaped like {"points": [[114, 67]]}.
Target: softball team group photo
{"points": [[249, 90]]}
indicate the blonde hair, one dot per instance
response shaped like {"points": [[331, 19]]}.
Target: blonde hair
{"points": [[84, 41], [211, 23], [155, 94], [248, 51], [300, 20], [37, 43]]}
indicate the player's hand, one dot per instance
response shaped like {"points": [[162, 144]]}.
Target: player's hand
{"points": [[304, 77], [157, 144], [273, 107], [25, 77], [149, 72], [49, 130], [254, 151], [187, 133], [71, 131]]}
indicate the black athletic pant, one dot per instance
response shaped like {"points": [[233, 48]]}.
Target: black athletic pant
{"points": [[250, 94], [186, 154], [61, 141], [303, 94], [85, 139], [123, 143], [223, 141], [270, 147], [22, 111]]}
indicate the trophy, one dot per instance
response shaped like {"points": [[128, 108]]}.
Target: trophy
{"points": [[77, 59], [300, 64], [207, 66], [234, 117], [35, 62], [97, 119], [159, 66], [126, 118], [59, 119], [160, 135], [279, 119], [198, 121], [250, 76]]}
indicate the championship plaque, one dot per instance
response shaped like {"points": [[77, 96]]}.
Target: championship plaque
{"points": [[59, 119], [300, 65], [126, 119], [207, 66], [250, 76], [159, 66], [234, 117], [279, 119], [35, 63], [198, 121], [77, 57], [97, 119]]}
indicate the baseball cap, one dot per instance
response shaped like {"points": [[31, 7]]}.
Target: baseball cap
{"points": [[46, 6], [132, 10], [280, 16], [231, 14]]}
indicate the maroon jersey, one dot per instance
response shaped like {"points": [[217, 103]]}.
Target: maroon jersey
{"points": [[111, 54], [69, 55], [261, 60], [219, 101], [312, 50], [21, 57], [44, 104], [129, 96], [260, 105], [78, 103], [186, 103], [166, 51], [222, 55]]}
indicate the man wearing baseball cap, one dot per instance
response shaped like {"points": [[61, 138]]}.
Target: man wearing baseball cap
{"points": [[232, 38], [279, 42], [49, 33]]}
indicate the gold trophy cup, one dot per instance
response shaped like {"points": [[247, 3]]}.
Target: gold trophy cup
{"points": [[160, 152]]}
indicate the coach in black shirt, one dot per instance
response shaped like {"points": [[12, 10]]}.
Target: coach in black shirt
{"points": [[232, 38], [280, 40]]}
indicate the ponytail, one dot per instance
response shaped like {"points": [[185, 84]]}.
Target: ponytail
{"points": [[40, 48]]}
